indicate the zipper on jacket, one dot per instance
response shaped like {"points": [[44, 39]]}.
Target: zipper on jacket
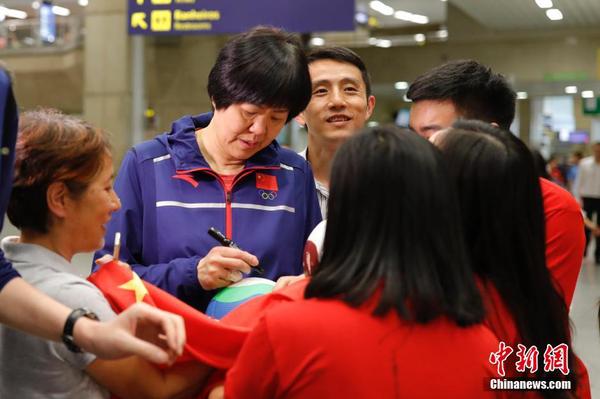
{"points": [[228, 222], [236, 179]]}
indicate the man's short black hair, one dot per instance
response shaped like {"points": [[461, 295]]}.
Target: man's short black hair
{"points": [[264, 66], [475, 91], [342, 54]]}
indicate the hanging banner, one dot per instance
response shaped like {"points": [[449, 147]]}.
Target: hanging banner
{"points": [[47, 22], [185, 17]]}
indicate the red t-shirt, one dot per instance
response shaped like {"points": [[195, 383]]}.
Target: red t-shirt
{"points": [[228, 181], [327, 349], [565, 239]]}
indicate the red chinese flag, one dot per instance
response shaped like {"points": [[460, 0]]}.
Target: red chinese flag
{"points": [[266, 182], [208, 340]]}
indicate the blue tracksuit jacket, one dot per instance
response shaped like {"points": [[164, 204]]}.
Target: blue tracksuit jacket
{"points": [[170, 198], [8, 138]]}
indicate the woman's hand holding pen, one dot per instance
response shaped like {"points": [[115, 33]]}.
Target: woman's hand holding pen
{"points": [[223, 266], [107, 258]]}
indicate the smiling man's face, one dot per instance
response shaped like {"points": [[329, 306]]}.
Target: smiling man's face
{"points": [[339, 105]]}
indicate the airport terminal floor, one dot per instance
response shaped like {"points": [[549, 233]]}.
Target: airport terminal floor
{"points": [[585, 323], [583, 316]]}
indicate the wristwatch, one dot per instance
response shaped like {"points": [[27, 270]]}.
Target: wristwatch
{"points": [[67, 335]]}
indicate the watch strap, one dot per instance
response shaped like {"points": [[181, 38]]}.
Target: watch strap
{"points": [[67, 335]]}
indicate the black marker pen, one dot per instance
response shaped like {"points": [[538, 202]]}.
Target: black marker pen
{"points": [[226, 242]]}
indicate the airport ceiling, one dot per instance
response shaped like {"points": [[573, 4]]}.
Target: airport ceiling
{"points": [[500, 15], [525, 14], [31, 6]]}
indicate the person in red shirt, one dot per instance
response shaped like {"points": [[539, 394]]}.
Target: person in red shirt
{"points": [[503, 220], [392, 309], [468, 89]]}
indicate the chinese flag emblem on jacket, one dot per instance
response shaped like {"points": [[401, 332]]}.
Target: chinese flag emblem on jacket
{"points": [[208, 340]]}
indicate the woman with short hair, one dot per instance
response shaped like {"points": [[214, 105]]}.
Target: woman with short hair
{"points": [[223, 170]]}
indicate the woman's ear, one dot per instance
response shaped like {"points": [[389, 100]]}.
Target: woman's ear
{"points": [[56, 198]]}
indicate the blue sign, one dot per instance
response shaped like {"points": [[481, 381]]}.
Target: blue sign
{"points": [[183, 17], [47, 23]]}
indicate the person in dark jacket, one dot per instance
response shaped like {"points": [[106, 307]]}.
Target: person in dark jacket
{"points": [[226, 171]]}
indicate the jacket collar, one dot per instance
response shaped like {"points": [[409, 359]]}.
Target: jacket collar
{"points": [[182, 146]]}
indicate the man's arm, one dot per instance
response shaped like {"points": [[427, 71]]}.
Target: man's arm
{"points": [[577, 184], [27, 309], [565, 240]]}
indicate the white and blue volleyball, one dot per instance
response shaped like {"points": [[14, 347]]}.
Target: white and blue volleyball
{"points": [[234, 295]]}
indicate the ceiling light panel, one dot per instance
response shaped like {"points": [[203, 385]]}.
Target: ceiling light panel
{"points": [[554, 14], [12, 13], [544, 3], [571, 89], [61, 11], [410, 17], [587, 94], [381, 7]]}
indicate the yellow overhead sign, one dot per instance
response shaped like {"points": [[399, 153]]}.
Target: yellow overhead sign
{"points": [[160, 20], [138, 20], [179, 17]]}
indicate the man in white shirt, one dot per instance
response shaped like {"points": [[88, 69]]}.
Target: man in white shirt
{"points": [[587, 191], [340, 105]]}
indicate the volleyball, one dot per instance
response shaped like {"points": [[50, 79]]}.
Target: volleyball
{"points": [[313, 249], [234, 295]]}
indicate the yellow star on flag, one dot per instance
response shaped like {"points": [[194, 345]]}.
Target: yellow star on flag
{"points": [[137, 286]]}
